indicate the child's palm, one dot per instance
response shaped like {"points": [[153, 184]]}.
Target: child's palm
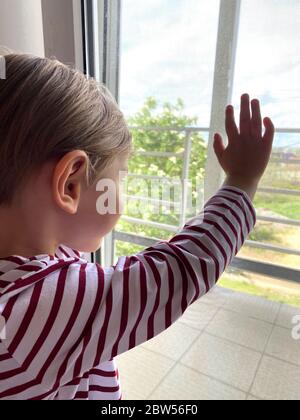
{"points": [[248, 151]]}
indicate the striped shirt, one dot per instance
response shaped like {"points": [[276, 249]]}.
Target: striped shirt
{"points": [[67, 319]]}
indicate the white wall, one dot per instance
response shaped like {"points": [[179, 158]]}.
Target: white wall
{"points": [[21, 26]]}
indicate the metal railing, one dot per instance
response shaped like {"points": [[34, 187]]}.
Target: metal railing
{"points": [[243, 264], [258, 267]]}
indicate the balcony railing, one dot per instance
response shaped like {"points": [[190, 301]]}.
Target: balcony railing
{"points": [[267, 269]]}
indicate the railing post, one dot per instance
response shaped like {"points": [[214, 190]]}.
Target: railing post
{"points": [[185, 176]]}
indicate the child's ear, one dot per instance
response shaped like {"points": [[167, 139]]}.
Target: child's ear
{"points": [[68, 180]]}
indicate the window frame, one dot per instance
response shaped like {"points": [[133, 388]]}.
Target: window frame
{"points": [[102, 22]]}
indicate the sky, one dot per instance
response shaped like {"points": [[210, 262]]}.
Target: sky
{"points": [[168, 51]]}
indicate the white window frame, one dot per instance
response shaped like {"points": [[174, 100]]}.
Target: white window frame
{"points": [[105, 18]]}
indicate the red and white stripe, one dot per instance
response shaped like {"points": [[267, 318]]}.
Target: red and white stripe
{"points": [[67, 319]]}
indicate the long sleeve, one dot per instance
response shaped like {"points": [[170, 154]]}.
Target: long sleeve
{"points": [[84, 315]]}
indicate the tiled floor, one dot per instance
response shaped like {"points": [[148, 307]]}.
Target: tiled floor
{"points": [[228, 345]]}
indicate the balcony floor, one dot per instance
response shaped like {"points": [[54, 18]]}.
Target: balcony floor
{"points": [[228, 345]]}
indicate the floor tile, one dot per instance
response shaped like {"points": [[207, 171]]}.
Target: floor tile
{"points": [[198, 315], [286, 315], [186, 384], [220, 340], [242, 330], [253, 306], [277, 380], [251, 398], [173, 342], [228, 362], [141, 371], [283, 346], [217, 296]]}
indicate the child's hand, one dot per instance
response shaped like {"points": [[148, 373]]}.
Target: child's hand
{"points": [[246, 157], [248, 151]]}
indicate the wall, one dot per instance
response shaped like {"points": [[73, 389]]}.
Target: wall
{"points": [[40, 27], [21, 27]]}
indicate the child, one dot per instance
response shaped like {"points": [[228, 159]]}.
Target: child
{"points": [[65, 318]]}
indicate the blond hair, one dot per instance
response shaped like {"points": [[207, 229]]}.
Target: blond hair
{"points": [[48, 109]]}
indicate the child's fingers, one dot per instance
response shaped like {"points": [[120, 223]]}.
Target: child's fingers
{"points": [[256, 122], [270, 131], [219, 146], [231, 127], [245, 117]]}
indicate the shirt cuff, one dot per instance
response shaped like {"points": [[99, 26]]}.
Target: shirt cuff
{"points": [[238, 192]]}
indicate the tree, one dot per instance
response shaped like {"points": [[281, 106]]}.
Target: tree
{"points": [[171, 115]]}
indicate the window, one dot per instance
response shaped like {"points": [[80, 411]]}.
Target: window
{"points": [[174, 65], [268, 63]]}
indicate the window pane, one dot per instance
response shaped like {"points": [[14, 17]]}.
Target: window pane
{"points": [[268, 58], [268, 67], [167, 68], [167, 52], [284, 168]]}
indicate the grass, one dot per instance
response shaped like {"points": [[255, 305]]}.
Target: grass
{"points": [[265, 233], [283, 205], [245, 286]]}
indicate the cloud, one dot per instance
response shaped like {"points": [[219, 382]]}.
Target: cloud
{"points": [[168, 51], [268, 58], [164, 55]]}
